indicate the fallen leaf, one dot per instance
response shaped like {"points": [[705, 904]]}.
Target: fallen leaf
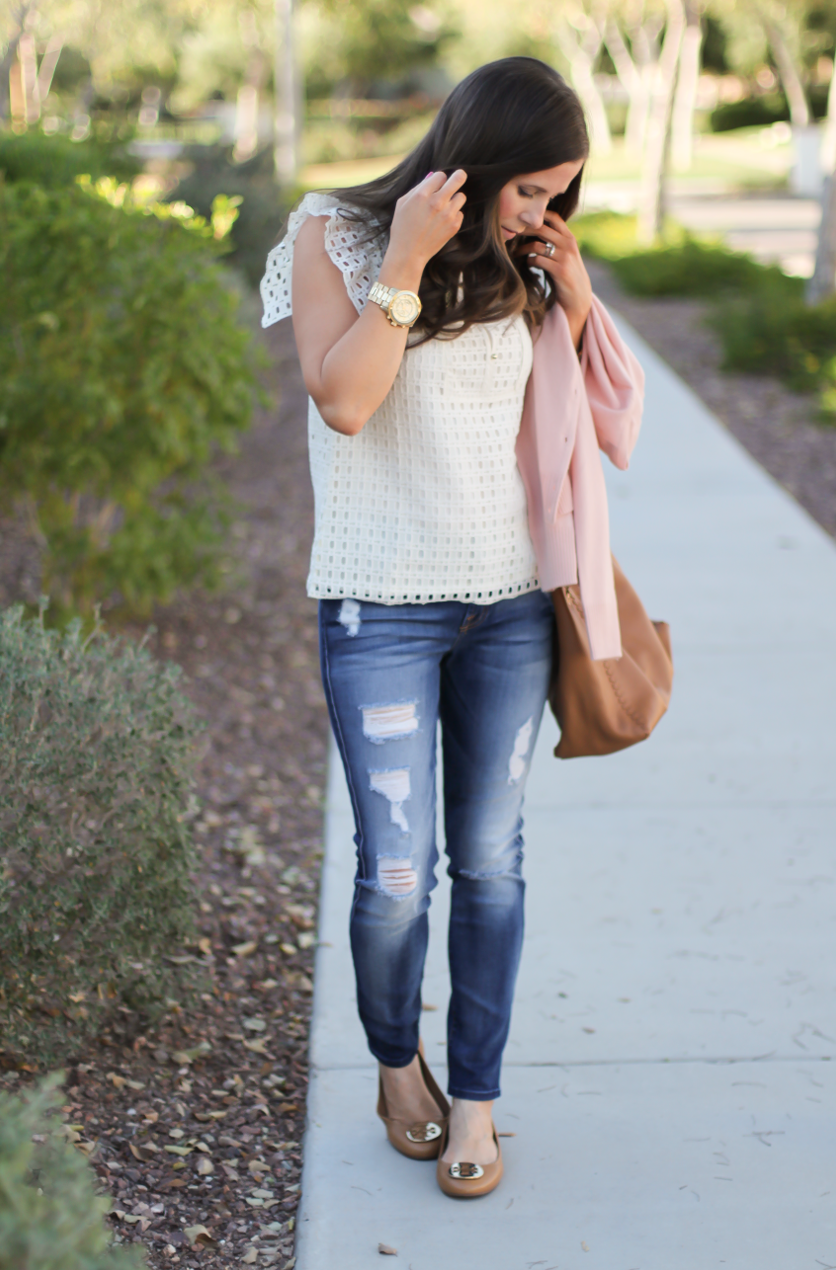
{"points": [[254, 1025], [181, 959], [387, 1250], [585, 1246], [205, 1167], [117, 1081], [205, 946], [250, 1257], [426, 1006], [258, 1046], [178, 1150], [253, 1203], [135, 1084], [183, 1057], [245, 950], [87, 1148], [262, 1194], [288, 1107], [176, 1133], [231, 1173], [198, 1235]]}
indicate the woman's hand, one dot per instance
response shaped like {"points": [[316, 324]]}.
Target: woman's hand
{"points": [[565, 268], [425, 219]]}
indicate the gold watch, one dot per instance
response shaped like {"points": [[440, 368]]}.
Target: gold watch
{"points": [[402, 308]]}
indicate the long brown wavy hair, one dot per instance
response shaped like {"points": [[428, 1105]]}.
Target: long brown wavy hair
{"points": [[511, 117]]}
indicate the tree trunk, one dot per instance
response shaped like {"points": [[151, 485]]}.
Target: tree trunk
{"points": [[790, 79], [651, 207], [580, 53], [29, 78], [288, 98], [49, 61], [249, 93], [10, 60], [634, 85], [828, 147], [684, 104], [823, 282]]}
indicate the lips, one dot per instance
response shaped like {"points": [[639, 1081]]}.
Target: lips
{"points": [[509, 233]]}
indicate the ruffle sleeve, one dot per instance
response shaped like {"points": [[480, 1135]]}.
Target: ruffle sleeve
{"points": [[346, 242]]}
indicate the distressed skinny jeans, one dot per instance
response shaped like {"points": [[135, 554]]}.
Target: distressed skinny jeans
{"points": [[391, 672]]}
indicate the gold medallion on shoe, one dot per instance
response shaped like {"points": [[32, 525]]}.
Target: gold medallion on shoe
{"points": [[463, 1180], [426, 1131]]}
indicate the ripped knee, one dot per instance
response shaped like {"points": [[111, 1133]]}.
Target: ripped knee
{"points": [[396, 876]]}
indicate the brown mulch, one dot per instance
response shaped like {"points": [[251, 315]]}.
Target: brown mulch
{"points": [[778, 427], [196, 1126]]}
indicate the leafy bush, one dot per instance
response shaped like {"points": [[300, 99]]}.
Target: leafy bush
{"points": [[97, 751], [680, 265], [122, 370], [750, 112], [776, 333], [765, 326], [692, 268], [263, 209], [50, 1214], [56, 161], [762, 109]]}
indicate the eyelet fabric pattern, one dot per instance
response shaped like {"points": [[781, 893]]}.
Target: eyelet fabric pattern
{"points": [[426, 503]]}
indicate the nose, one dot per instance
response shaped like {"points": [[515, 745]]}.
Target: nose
{"points": [[534, 219]]}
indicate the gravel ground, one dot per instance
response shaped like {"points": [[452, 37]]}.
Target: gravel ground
{"points": [[195, 1127]]}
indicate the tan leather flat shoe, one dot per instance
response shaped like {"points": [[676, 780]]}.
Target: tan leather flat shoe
{"points": [[418, 1139], [468, 1181]]}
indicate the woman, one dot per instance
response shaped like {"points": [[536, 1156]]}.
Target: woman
{"points": [[415, 299]]}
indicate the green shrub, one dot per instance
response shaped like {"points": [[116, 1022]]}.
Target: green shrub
{"points": [[97, 751], [775, 333], [762, 109], [691, 268], [765, 326], [56, 161], [50, 1214], [263, 210], [122, 370], [679, 265], [750, 112]]}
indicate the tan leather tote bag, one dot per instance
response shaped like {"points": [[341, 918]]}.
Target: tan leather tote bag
{"points": [[604, 706]]}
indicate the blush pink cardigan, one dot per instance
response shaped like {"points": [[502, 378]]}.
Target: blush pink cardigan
{"points": [[573, 409]]}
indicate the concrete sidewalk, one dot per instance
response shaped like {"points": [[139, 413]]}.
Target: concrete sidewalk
{"points": [[668, 1076]]}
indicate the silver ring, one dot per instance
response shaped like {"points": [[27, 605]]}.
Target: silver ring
{"points": [[549, 250]]}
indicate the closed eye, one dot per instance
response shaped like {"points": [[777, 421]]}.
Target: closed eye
{"points": [[524, 193]]}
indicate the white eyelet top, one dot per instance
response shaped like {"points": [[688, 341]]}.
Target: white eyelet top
{"points": [[426, 503]]}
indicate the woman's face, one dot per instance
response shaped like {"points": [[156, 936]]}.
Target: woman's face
{"points": [[523, 201]]}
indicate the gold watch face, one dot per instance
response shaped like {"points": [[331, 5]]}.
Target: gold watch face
{"points": [[404, 308]]}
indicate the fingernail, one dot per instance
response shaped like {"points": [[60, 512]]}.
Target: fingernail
{"points": [[429, 174]]}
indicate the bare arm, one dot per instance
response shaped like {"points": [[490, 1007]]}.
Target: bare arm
{"points": [[349, 360]]}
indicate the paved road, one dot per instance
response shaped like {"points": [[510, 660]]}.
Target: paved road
{"points": [[669, 1076]]}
